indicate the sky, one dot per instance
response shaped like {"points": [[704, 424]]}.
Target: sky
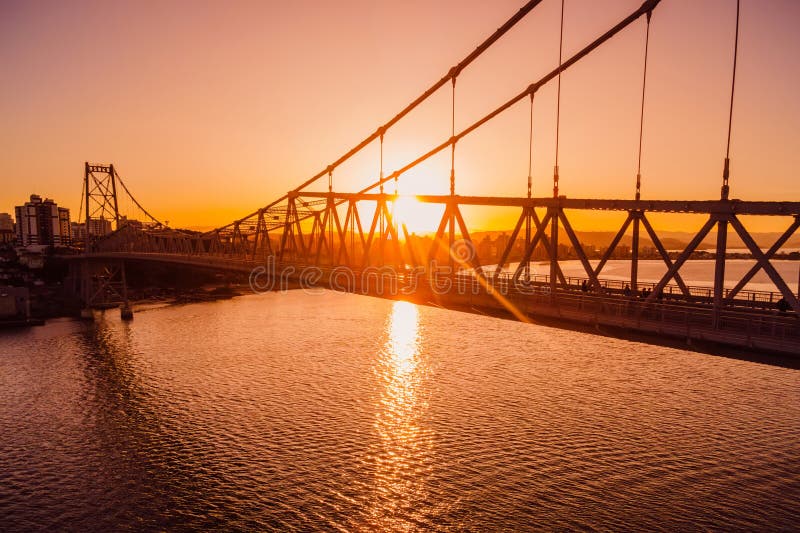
{"points": [[211, 109]]}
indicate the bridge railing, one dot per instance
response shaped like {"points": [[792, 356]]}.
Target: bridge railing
{"points": [[674, 313], [697, 293], [739, 322], [781, 327]]}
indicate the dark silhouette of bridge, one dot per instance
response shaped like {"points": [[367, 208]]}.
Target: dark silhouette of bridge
{"points": [[323, 237]]}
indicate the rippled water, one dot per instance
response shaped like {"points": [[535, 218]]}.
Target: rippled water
{"points": [[341, 412]]}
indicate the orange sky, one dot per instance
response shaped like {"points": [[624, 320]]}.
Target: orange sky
{"points": [[211, 109]]}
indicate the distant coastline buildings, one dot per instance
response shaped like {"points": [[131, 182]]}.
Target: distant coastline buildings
{"points": [[41, 222], [97, 227]]}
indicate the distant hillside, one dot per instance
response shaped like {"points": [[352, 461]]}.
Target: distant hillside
{"points": [[201, 229]]}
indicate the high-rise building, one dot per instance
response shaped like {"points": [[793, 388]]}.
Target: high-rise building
{"points": [[6, 222], [6, 228], [64, 226], [42, 222]]}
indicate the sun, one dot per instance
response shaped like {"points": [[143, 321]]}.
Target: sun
{"points": [[419, 217]]}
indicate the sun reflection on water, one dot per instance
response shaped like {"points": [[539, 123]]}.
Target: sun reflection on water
{"points": [[400, 476], [403, 342]]}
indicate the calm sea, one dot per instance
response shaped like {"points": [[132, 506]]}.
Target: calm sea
{"points": [[326, 411]]}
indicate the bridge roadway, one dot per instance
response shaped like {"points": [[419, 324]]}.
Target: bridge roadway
{"points": [[749, 323]]}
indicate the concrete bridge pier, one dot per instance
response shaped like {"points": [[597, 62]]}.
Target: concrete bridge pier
{"points": [[85, 278], [104, 285], [125, 311]]}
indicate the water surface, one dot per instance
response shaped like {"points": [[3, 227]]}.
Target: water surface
{"points": [[341, 412]]}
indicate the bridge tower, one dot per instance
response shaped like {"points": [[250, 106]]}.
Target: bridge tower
{"points": [[100, 201], [103, 283]]}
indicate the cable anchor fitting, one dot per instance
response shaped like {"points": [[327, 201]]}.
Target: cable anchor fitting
{"points": [[555, 181], [726, 172]]}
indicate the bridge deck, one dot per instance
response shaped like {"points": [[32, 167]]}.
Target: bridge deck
{"points": [[745, 323]]}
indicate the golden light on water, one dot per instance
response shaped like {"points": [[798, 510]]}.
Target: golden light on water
{"points": [[399, 373], [402, 439], [403, 342]]}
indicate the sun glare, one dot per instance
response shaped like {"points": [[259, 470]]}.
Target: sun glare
{"points": [[418, 217]]}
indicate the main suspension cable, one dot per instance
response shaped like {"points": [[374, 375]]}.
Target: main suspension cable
{"points": [[641, 115], [726, 171], [455, 70], [648, 5], [151, 217], [83, 191], [558, 99]]}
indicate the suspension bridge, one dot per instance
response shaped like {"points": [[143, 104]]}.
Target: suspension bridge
{"points": [[354, 240]]}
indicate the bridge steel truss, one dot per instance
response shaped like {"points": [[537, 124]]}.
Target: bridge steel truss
{"points": [[335, 235]]}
